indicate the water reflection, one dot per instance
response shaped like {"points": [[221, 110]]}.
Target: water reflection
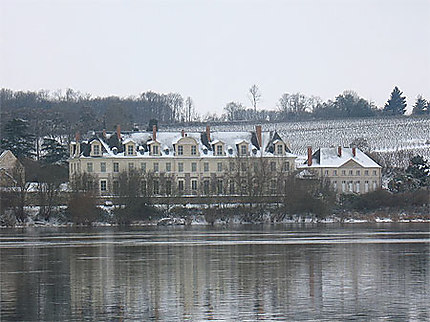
{"points": [[201, 274]]}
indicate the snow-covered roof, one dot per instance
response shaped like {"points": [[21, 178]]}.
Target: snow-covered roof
{"points": [[169, 139], [330, 158]]}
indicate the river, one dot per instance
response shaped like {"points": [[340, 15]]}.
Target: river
{"points": [[297, 272]]}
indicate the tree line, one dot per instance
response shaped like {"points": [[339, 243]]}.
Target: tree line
{"points": [[63, 113]]}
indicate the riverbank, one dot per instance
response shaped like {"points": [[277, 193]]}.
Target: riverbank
{"points": [[232, 215]]}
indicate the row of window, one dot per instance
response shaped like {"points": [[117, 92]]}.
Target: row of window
{"points": [[350, 172], [217, 187], [168, 166], [356, 186], [130, 149]]}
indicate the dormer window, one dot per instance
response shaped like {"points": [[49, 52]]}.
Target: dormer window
{"points": [[279, 149], [130, 150], [180, 150], [96, 149], [243, 150], [155, 149], [219, 150], [193, 150]]}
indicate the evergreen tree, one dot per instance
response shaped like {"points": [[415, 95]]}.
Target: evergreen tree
{"points": [[421, 106], [396, 105], [17, 139], [53, 152], [419, 169]]}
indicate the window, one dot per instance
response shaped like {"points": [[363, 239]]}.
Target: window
{"points": [[374, 172], [181, 185], [193, 167], [143, 166], [243, 166], [206, 166], [219, 150], [168, 167], [193, 150], [335, 185], [243, 150], [231, 187], [130, 150], [366, 186], [343, 172], [130, 166], [243, 186], [280, 149], [273, 186], [115, 167], [155, 149], [115, 187], [206, 187], [232, 166], [168, 187], [102, 166], [90, 184], [156, 187], [357, 186], [343, 186], [357, 173], [219, 186], [219, 166], [335, 172], [156, 167], [143, 188], [103, 186], [350, 172], [374, 185], [350, 186], [272, 166], [194, 185], [180, 167], [90, 167], [180, 150], [326, 172], [366, 172], [286, 166], [96, 149]]}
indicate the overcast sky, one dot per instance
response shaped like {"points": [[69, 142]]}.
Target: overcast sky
{"points": [[214, 51]]}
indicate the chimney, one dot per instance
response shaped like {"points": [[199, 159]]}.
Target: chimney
{"points": [[309, 156], [78, 146], [104, 133], [118, 132], [182, 133], [354, 151], [258, 132], [154, 132], [208, 133], [339, 151]]}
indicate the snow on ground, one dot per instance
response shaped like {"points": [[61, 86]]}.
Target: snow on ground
{"points": [[386, 135]]}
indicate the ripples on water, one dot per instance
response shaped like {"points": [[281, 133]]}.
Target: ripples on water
{"points": [[303, 273]]}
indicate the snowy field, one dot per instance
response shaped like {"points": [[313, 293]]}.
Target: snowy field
{"points": [[405, 136]]}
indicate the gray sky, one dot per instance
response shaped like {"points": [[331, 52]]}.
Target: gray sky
{"points": [[214, 51]]}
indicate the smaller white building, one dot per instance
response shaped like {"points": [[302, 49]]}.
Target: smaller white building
{"points": [[349, 170]]}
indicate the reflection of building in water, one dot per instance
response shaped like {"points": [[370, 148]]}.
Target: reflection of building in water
{"points": [[221, 281]]}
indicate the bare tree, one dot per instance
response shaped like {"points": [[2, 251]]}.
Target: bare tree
{"points": [[233, 111], [189, 110], [296, 104], [254, 96]]}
